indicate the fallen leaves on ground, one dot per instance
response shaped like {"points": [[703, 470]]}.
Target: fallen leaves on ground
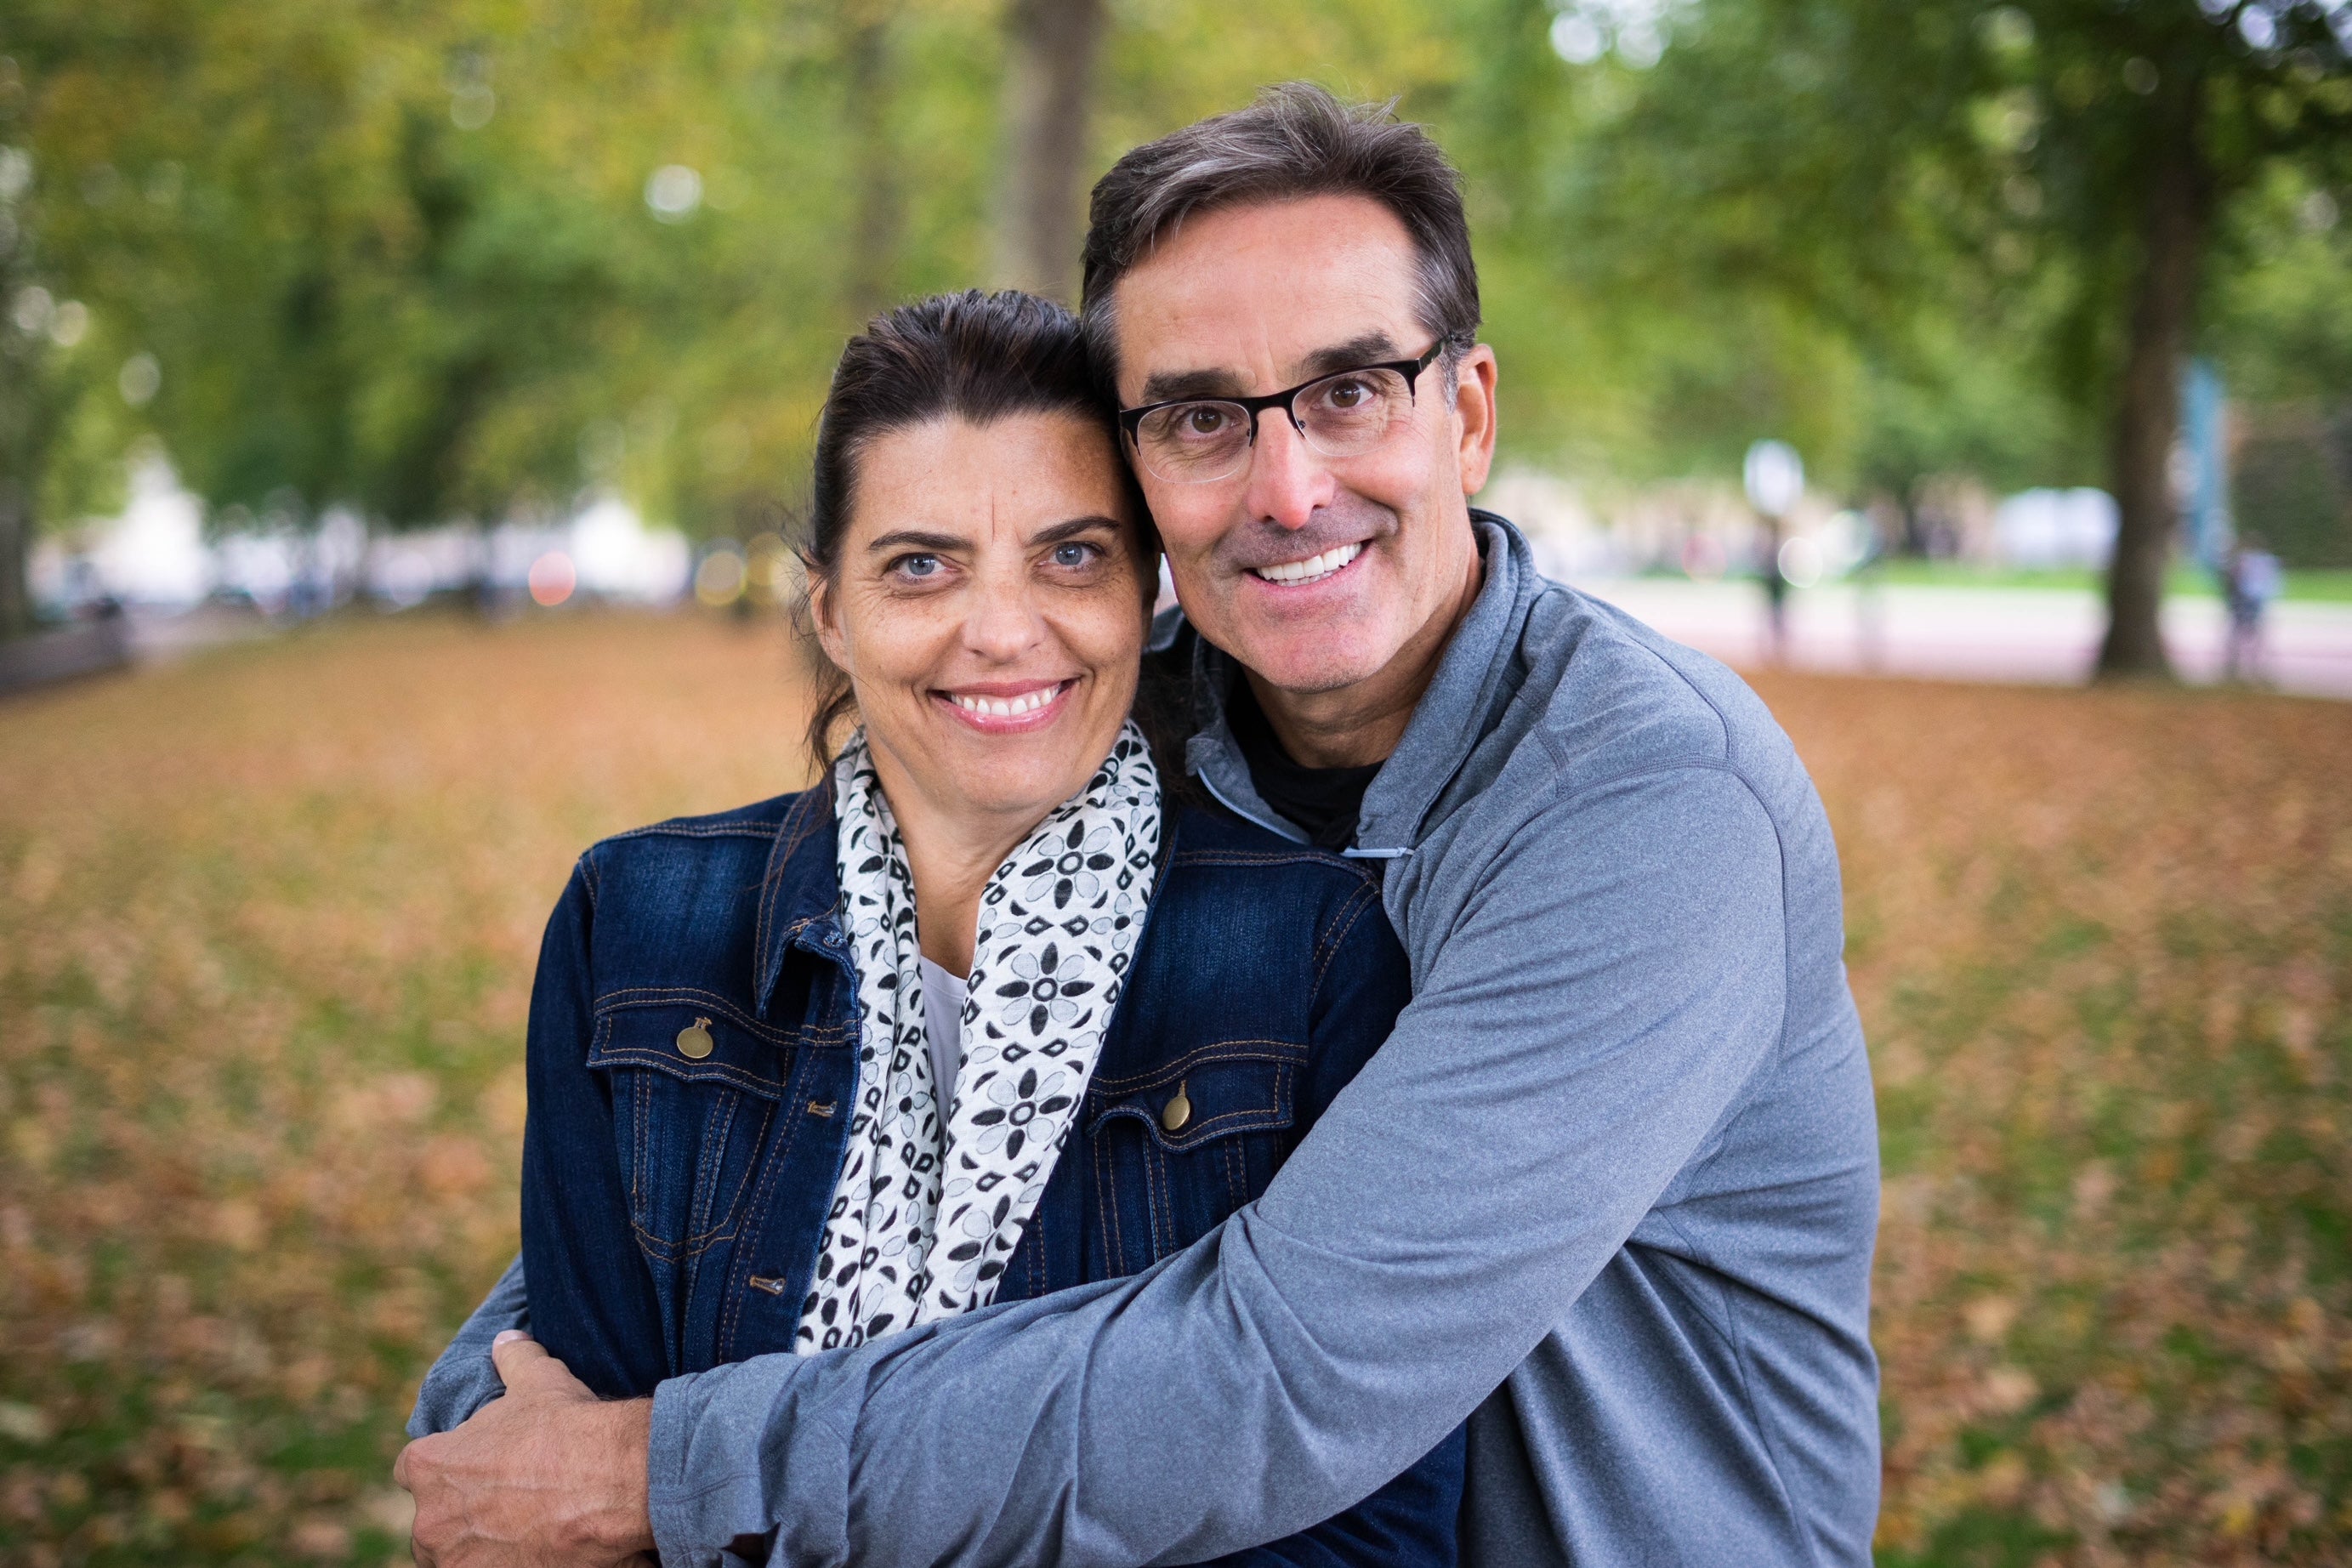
{"points": [[267, 928]]}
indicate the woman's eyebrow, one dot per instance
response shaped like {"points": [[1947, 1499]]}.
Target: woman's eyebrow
{"points": [[915, 538], [1055, 534]]}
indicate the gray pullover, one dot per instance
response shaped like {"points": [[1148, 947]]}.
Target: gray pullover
{"points": [[1609, 1191]]}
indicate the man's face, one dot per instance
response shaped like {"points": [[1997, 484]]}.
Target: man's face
{"points": [[1256, 298]]}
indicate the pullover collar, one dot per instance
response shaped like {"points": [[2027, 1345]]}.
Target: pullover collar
{"points": [[1470, 683]]}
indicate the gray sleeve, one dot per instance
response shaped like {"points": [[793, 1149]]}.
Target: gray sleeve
{"points": [[1599, 992], [463, 1378]]}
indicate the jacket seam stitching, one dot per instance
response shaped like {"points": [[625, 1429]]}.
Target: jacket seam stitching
{"points": [[1352, 911]]}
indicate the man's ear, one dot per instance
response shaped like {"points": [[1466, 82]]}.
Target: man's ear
{"points": [[1474, 403]]}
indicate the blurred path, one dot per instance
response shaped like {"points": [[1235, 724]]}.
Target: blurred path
{"points": [[2038, 634]]}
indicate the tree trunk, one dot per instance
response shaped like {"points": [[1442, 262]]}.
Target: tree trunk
{"points": [[880, 215], [2147, 412], [15, 561], [1049, 67]]}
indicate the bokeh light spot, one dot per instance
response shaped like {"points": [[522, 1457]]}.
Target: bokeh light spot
{"points": [[674, 190], [140, 380], [719, 580], [552, 578], [1801, 561]]}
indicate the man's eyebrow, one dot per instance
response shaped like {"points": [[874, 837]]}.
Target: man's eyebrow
{"points": [[1365, 347], [916, 539], [1165, 386], [1368, 347]]}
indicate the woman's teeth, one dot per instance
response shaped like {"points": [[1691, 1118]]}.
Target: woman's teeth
{"points": [[1008, 707], [1314, 566]]}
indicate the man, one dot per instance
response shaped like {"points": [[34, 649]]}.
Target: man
{"points": [[1609, 1190]]}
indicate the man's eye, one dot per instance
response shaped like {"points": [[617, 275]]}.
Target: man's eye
{"points": [[1073, 555], [1203, 419]]}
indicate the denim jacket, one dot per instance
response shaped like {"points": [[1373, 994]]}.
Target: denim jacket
{"points": [[677, 1171]]}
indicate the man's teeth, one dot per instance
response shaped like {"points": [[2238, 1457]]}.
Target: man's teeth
{"points": [[1008, 707], [1314, 566]]}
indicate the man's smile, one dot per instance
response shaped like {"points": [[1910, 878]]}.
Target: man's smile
{"points": [[1314, 569]]}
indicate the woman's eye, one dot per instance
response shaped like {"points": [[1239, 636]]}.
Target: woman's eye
{"points": [[1073, 555], [917, 567]]}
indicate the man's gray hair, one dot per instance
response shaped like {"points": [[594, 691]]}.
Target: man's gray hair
{"points": [[1295, 141]]}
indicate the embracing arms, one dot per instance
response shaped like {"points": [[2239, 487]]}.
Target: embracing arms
{"points": [[1597, 1001]]}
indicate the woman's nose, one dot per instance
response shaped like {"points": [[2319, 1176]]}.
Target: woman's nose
{"points": [[1003, 623]]}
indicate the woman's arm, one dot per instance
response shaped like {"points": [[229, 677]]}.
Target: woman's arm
{"points": [[592, 1302], [575, 1208], [463, 1378]]}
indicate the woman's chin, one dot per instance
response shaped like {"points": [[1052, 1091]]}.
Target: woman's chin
{"points": [[1024, 773], [1010, 791]]}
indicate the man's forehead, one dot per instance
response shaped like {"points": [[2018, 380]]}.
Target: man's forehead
{"points": [[1271, 288]]}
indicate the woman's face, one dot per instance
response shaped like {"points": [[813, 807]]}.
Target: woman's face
{"points": [[989, 602]]}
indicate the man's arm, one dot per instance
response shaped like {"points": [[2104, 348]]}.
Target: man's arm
{"points": [[1601, 999]]}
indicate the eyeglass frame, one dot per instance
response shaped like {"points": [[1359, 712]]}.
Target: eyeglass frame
{"points": [[1130, 420]]}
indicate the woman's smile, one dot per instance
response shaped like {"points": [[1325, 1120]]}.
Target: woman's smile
{"points": [[1008, 707]]}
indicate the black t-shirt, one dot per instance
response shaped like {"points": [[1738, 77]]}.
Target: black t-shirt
{"points": [[1324, 801]]}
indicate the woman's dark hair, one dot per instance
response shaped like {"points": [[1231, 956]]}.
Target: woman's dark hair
{"points": [[975, 356]]}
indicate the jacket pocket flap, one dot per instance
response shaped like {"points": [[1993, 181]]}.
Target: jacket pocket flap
{"points": [[694, 1038], [1214, 1091]]}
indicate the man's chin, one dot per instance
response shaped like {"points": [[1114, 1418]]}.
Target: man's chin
{"points": [[1305, 664]]}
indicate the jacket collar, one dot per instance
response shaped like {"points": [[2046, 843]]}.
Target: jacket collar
{"points": [[1446, 723], [799, 895]]}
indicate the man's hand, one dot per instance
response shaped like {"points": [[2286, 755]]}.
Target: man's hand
{"points": [[549, 1475]]}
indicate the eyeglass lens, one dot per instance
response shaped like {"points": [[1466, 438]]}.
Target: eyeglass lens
{"points": [[1341, 415]]}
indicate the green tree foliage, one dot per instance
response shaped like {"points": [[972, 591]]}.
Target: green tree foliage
{"points": [[2012, 217], [461, 259]]}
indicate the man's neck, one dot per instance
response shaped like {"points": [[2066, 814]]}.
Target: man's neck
{"points": [[1359, 725]]}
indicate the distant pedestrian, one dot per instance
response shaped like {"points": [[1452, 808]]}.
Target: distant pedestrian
{"points": [[1776, 595], [2250, 579]]}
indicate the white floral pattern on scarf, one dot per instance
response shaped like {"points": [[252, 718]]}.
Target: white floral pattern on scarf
{"points": [[929, 1207]]}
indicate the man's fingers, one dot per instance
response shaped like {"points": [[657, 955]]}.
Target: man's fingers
{"points": [[403, 1477], [516, 1354], [523, 1364]]}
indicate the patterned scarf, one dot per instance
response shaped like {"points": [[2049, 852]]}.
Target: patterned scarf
{"points": [[928, 1206]]}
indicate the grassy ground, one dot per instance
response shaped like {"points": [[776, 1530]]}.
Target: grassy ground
{"points": [[2181, 581], [267, 923]]}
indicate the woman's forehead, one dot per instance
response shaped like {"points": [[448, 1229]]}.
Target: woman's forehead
{"points": [[999, 480]]}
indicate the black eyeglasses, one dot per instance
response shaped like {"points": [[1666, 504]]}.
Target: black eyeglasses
{"points": [[1195, 441]]}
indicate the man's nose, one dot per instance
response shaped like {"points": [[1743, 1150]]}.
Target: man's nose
{"points": [[1287, 482]]}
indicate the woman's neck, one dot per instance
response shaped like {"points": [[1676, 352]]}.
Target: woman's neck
{"points": [[951, 866], [951, 855]]}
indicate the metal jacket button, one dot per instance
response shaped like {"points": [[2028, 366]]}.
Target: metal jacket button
{"points": [[1177, 1111], [694, 1040]]}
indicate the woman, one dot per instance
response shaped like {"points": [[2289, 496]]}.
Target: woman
{"points": [[976, 1018]]}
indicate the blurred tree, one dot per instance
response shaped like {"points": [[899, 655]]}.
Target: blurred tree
{"points": [[2049, 176], [881, 205], [1050, 48]]}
